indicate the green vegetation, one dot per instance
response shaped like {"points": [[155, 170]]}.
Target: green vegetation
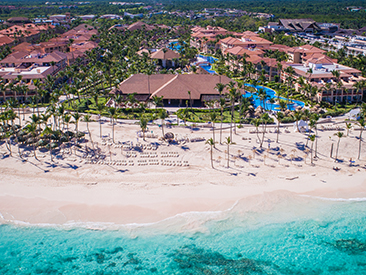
{"points": [[88, 105]]}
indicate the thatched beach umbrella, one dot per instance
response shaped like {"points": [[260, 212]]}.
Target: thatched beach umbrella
{"points": [[169, 136]]}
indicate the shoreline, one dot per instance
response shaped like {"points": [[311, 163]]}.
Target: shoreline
{"points": [[83, 204]]}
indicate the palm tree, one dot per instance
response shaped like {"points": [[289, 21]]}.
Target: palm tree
{"points": [[158, 100], [213, 117], [76, 117], [298, 116], [362, 124], [279, 116], [211, 142], [118, 99], [348, 127], [283, 104], [256, 122], [32, 128], [190, 99], [112, 113], [162, 115], [264, 119], [339, 135], [228, 142], [48, 132], [67, 119], [312, 138], [143, 125], [100, 108], [233, 95], [185, 115], [220, 88], [87, 120]]}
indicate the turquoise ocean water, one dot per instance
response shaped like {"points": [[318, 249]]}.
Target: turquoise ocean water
{"points": [[277, 233]]}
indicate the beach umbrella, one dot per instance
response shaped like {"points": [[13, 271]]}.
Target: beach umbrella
{"points": [[42, 142], [31, 140], [69, 133], [80, 134], [54, 145], [20, 139], [169, 136], [63, 139]]}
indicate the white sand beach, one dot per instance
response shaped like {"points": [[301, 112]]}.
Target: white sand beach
{"points": [[71, 189]]}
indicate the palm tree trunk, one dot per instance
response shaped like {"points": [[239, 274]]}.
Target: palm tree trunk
{"points": [[19, 153], [228, 156], [100, 126], [221, 126], [264, 132], [316, 142], [312, 144], [231, 123], [336, 158], [91, 140], [213, 132], [34, 151], [8, 146], [278, 130], [113, 130], [50, 149], [259, 139], [211, 159], [359, 144]]}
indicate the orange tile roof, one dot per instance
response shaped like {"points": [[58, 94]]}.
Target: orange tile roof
{"points": [[4, 40], [173, 86], [165, 54]]}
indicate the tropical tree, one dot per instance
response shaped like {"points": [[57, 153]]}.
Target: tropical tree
{"points": [[312, 138], [143, 126], [48, 132], [190, 99], [211, 142], [32, 129], [67, 119], [100, 108], [220, 88], [264, 119], [279, 116], [162, 115], [213, 117], [158, 101], [233, 95], [256, 122], [339, 135], [298, 115], [76, 117], [362, 123], [87, 120], [185, 115], [228, 142], [348, 127], [112, 114]]}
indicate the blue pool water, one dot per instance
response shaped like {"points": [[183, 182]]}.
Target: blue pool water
{"points": [[208, 61], [293, 104], [175, 46], [277, 233]]}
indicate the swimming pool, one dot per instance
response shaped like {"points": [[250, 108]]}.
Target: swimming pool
{"points": [[205, 62], [175, 46], [292, 105]]}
